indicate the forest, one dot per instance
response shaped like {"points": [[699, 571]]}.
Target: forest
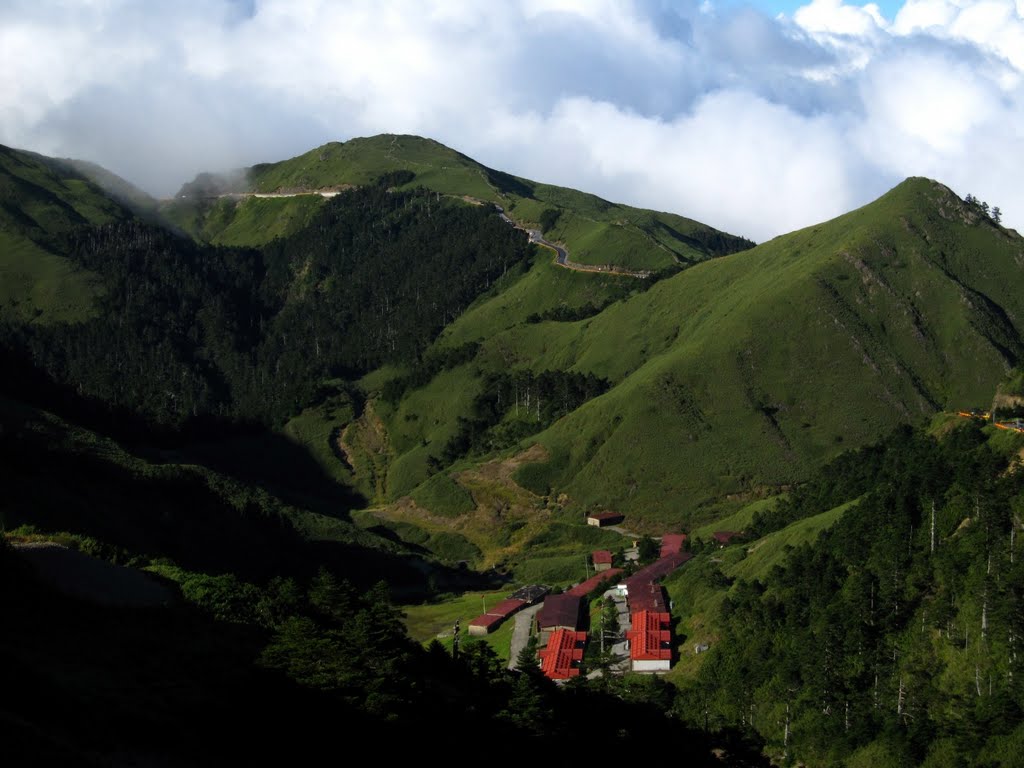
{"points": [[187, 332], [284, 671], [896, 634]]}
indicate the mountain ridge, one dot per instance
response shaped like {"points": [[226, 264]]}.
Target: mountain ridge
{"points": [[595, 230]]}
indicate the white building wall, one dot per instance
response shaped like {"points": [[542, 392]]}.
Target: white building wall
{"points": [[652, 665]]}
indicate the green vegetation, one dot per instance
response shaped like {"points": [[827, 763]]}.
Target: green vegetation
{"points": [[594, 230], [739, 520], [243, 221], [428, 621], [37, 286], [814, 342], [927, 564], [443, 496], [394, 384], [285, 655], [772, 549], [254, 335]]}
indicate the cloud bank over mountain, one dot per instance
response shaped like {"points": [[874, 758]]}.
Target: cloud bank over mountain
{"points": [[752, 123]]}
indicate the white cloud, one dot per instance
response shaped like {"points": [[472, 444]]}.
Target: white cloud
{"points": [[751, 123], [836, 18]]}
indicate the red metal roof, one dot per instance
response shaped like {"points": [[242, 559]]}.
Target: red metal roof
{"points": [[486, 620], [661, 567], [559, 611], [650, 639], [602, 557], [584, 588], [560, 659], [672, 544], [506, 607], [724, 537]]}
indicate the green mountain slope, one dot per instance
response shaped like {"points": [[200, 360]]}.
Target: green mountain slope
{"points": [[42, 201], [748, 370], [595, 231]]}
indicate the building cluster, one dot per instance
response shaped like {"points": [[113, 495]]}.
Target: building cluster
{"points": [[560, 619], [559, 623], [650, 635]]}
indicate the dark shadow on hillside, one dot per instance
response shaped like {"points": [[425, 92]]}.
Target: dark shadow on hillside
{"points": [[509, 184], [279, 466], [172, 511]]}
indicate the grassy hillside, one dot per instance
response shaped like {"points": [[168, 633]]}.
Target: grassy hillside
{"points": [[39, 286], [242, 220], [743, 373], [41, 201], [594, 230], [43, 198]]}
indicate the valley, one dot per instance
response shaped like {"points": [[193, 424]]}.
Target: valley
{"points": [[333, 407]]}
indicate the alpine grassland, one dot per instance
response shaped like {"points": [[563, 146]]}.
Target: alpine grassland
{"points": [[594, 230], [744, 372]]}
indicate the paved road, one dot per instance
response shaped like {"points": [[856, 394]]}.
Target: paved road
{"points": [[521, 633], [562, 255]]}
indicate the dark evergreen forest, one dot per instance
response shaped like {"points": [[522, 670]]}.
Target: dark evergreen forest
{"points": [[186, 332], [900, 629]]}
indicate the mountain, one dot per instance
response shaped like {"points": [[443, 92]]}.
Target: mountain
{"points": [[276, 402], [740, 374], [219, 209], [42, 200], [671, 398]]}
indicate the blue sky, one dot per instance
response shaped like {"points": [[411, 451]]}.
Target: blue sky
{"points": [[888, 8], [724, 113]]}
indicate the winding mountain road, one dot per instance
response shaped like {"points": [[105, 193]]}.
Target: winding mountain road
{"points": [[562, 255], [535, 235]]}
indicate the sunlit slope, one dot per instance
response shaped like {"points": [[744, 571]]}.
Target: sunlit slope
{"points": [[42, 200], [595, 230], [749, 370]]}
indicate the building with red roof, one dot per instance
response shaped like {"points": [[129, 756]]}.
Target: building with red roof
{"points": [[506, 607], [672, 544], [661, 567], [650, 641], [602, 560], [486, 623], [561, 659], [722, 538], [584, 588]]}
